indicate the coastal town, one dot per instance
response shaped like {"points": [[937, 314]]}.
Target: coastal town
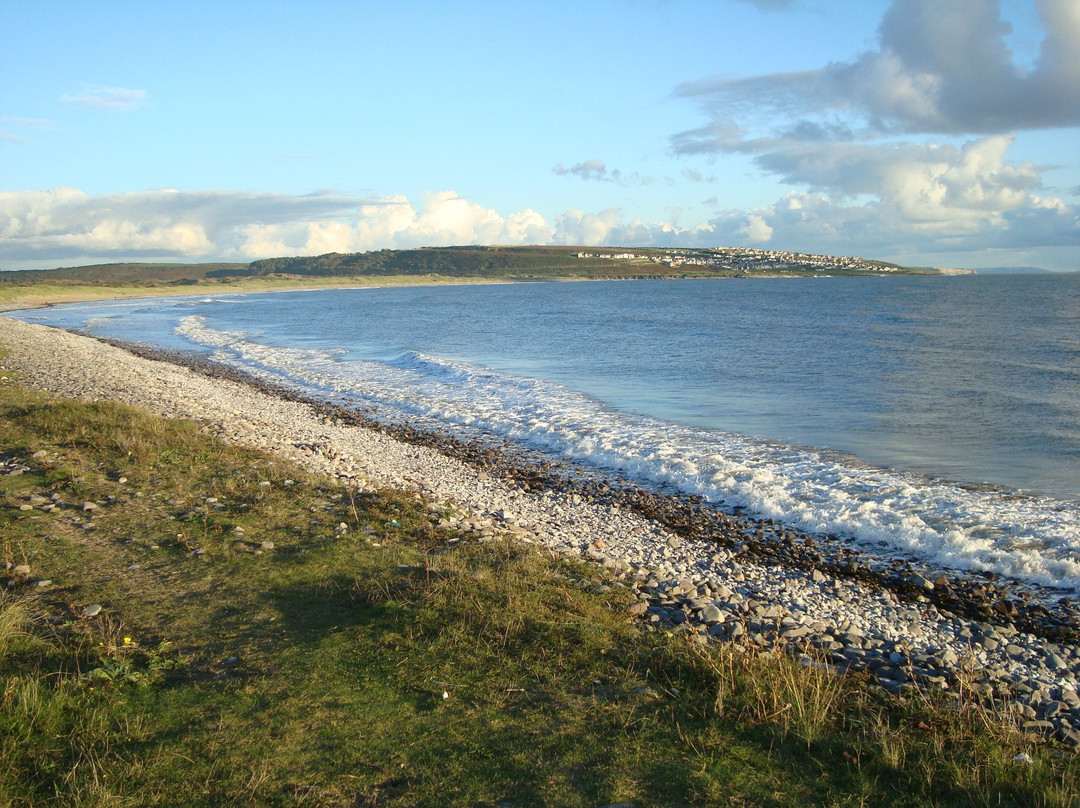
{"points": [[748, 261]]}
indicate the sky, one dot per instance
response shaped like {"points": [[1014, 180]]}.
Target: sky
{"points": [[926, 132]]}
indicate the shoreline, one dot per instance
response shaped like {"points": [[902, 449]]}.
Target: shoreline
{"points": [[89, 294], [692, 516], [720, 576], [56, 294]]}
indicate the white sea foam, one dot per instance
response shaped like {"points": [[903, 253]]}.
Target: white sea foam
{"points": [[1036, 539]]}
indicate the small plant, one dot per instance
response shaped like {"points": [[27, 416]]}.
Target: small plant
{"points": [[127, 663]]}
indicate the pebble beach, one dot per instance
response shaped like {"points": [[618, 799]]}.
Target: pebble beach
{"points": [[715, 576]]}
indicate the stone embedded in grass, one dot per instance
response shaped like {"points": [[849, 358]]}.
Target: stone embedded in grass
{"points": [[89, 506], [21, 569], [93, 610], [266, 545]]}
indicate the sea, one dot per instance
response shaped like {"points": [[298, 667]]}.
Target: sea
{"points": [[915, 416]]}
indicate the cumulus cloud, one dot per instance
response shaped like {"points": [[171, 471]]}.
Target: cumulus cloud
{"points": [[49, 227], [65, 226], [607, 228], [942, 66], [756, 229], [115, 99], [815, 222], [854, 135]]}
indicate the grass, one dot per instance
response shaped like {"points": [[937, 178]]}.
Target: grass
{"points": [[371, 658]]}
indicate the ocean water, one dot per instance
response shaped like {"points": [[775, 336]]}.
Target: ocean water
{"points": [[931, 416]]}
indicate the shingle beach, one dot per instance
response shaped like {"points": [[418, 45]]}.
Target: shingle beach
{"points": [[722, 577]]}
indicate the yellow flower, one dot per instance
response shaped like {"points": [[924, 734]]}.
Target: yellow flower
{"points": [[127, 640]]}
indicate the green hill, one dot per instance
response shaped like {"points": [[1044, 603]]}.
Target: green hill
{"points": [[472, 262]]}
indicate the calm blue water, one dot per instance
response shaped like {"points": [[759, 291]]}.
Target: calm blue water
{"points": [[938, 416]]}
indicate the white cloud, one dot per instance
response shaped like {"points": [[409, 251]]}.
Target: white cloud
{"points": [[119, 99], [815, 222], [38, 228], [607, 228], [579, 228], [965, 187], [756, 229], [926, 197], [444, 219]]}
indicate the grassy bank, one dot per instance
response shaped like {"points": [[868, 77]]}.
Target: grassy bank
{"points": [[269, 638]]}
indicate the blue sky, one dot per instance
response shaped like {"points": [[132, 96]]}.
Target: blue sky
{"points": [[929, 132]]}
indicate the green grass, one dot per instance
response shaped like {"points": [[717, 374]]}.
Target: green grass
{"points": [[391, 663]]}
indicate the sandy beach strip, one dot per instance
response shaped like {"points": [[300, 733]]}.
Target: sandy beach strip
{"points": [[737, 580]]}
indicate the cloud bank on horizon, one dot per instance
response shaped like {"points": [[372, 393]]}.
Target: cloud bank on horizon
{"points": [[901, 151]]}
